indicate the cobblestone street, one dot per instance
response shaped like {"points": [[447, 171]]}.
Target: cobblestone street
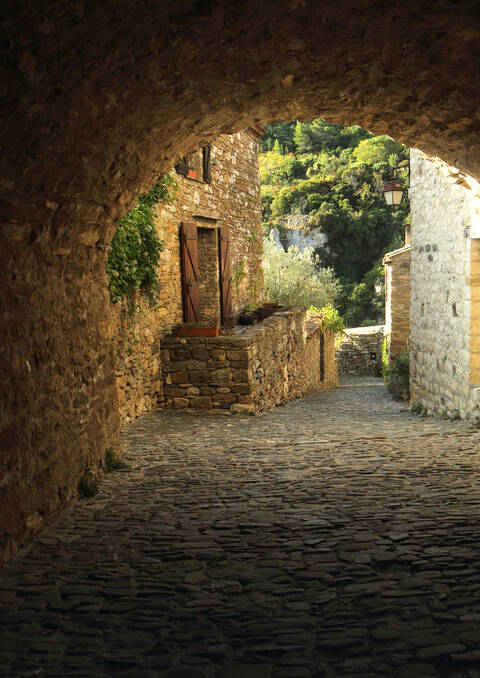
{"points": [[335, 536]]}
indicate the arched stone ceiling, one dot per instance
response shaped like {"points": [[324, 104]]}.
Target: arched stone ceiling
{"points": [[99, 97]]}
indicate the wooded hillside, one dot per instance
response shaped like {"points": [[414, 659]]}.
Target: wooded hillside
{"points": [[335, 175]]}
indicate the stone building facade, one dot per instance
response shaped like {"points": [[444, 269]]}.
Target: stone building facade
{"points": [[223, 196], [445, 288], [397, 301]]}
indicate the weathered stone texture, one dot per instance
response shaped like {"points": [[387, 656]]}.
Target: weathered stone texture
{"points": [[58, 402], [443, 304], [98, 102], [263, 366], [359, 351], [397, 301], [232, 199]]}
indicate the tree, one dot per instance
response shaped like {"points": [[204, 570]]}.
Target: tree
{"points": [[336, 177], [293, 279]]}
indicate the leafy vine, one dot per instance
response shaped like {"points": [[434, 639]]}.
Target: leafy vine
{"points": [[135, 248]]}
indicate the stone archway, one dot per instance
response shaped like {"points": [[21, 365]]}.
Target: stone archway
{"points": [[100, 100]]}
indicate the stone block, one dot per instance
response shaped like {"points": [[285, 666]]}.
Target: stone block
{"points": [[239, 376], [243, 389], [236, 354], [180, 377], [216, 364], [207, 390], [224, 398], [221, 376], [198, 353], [201, 402], [174, 391], [241, 408], [239, 364], [198, 376], [216, 354], [180, 402], [176, 366]]}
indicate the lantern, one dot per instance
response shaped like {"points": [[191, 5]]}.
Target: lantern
{"points": [[393, 192]]}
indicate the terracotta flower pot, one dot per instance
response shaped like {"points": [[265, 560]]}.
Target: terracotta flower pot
{"points": [[198, 331]]}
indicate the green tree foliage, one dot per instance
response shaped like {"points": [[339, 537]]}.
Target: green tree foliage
{"points": [[281, 132], [293, 278], [335, 175], [135, 248]]}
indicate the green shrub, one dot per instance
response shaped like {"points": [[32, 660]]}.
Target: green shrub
{"points": [[112, 462], [329, 318], [293, 279], [398, 382], [88, 486]]}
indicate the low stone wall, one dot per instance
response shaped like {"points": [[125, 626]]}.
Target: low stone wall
{"points": [[263, 366], [328, 362], [359, 351]]}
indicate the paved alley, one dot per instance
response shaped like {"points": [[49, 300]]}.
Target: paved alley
{"points": [[338, 535]]}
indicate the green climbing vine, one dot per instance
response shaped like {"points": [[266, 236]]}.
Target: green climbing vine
{"points": [[135, 248]]}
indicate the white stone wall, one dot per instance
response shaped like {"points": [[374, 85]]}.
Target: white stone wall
{"points": [[444, 207]]}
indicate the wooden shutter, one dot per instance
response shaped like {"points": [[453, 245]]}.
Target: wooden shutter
{"points": [[207, 165], [225, 276], [190, 279]]}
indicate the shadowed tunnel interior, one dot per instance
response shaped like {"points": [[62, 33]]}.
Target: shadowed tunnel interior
{"points": [[99, 99]]}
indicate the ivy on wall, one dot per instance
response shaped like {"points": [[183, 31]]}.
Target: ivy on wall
{"points": [[135, 247]]}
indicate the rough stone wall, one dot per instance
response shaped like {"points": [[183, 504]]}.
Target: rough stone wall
{"points": [[209, 276], [397, 301], [231, 199], [330, 365], [475, 308], [263, 366], [136, 338], [445, 217], [94, 111], [359, 351]]}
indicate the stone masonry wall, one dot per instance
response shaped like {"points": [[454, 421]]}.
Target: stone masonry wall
{"points": [[359, 351], [94, 111], [263, 366], [397, 301], [329, 378], [445, 218], [231, 199]]}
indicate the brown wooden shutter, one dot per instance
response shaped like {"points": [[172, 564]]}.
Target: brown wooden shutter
{"points": [[190, 279], [225, 276], [207, 165]]}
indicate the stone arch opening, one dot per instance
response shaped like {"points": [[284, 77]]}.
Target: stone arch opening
{"points": [[100, 101]]}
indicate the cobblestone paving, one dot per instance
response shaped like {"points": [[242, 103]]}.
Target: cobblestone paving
{"points": [[336, 536]]}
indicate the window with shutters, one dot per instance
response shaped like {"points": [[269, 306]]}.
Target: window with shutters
{"points": [[197, 165]]}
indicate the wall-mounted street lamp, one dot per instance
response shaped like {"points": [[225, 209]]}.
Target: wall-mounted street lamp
{"points": [[393, 192], [393, 189], [378, 286]]}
